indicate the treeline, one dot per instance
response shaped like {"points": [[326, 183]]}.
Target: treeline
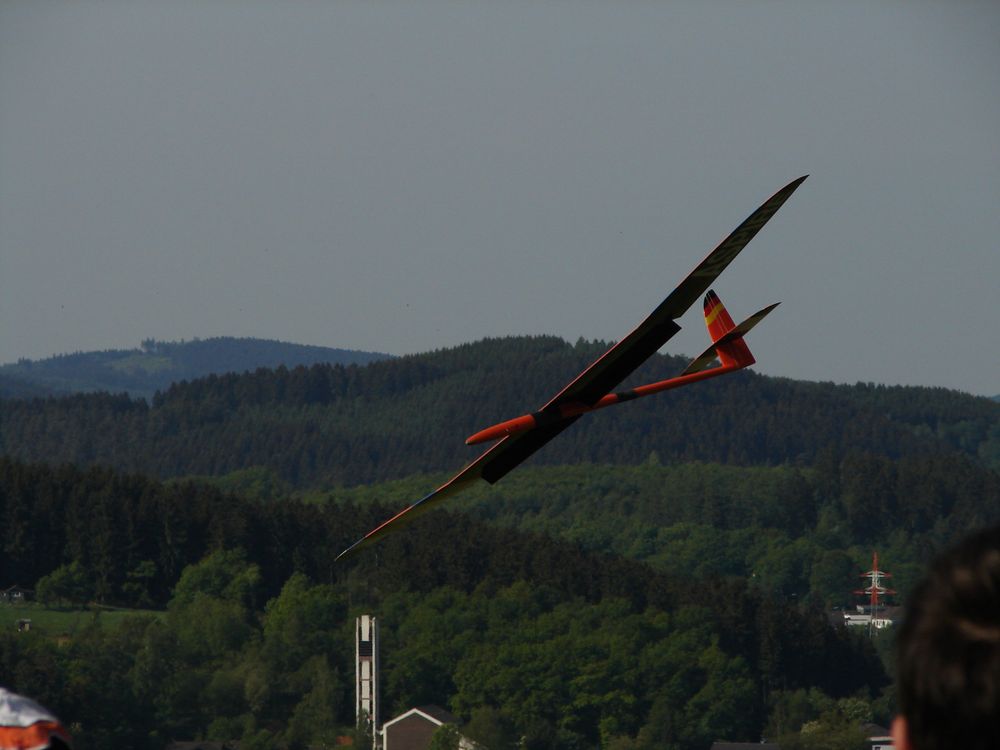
{"points": [[334, 425], [522, 634]]}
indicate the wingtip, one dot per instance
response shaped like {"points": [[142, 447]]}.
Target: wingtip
{"points": [[356, 547], [764, 312], [793, 185], [347, 552]]}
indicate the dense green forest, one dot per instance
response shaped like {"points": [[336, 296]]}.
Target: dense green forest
{"points": [[329, 425], [655, 578], [801, 533], [522, 635], [155, 365]]}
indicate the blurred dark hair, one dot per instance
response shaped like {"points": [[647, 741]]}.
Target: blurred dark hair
{"points": [[949, 650]]}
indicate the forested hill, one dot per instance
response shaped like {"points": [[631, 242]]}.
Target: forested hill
{"points": [[156, 364], [329, 425], [568, 646]]}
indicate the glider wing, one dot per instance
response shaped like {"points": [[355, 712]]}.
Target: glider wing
{"points": [[491, 465], [624, 357]]}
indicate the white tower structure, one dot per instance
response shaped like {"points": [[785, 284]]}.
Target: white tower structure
{"points": [[366, 682]]}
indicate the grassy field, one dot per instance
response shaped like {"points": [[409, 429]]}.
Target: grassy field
{"points": [[57, 621]]}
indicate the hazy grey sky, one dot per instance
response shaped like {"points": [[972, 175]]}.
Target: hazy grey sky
{"points": [[406, 176]]}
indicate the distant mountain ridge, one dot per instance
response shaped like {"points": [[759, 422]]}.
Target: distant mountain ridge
{"points": [[155, 365]]}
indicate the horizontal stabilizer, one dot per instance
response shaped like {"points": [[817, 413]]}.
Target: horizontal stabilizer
{"points": [[708, 356]]}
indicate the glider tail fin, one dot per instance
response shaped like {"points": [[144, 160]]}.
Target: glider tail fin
{"points": [[733, 351], [727, 339]]}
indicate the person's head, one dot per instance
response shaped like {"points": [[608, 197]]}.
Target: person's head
{"points": [[948, 652]]}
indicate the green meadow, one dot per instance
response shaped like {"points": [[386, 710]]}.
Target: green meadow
{"points": [[59, 621]]}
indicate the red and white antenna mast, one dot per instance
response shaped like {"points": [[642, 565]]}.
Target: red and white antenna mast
{"points": [[875, 590]]}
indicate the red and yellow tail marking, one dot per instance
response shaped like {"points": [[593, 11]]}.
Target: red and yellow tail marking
{"points": [[719, 323]]}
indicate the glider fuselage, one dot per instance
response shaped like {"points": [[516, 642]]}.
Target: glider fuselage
{"points": [[571, 409]]}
